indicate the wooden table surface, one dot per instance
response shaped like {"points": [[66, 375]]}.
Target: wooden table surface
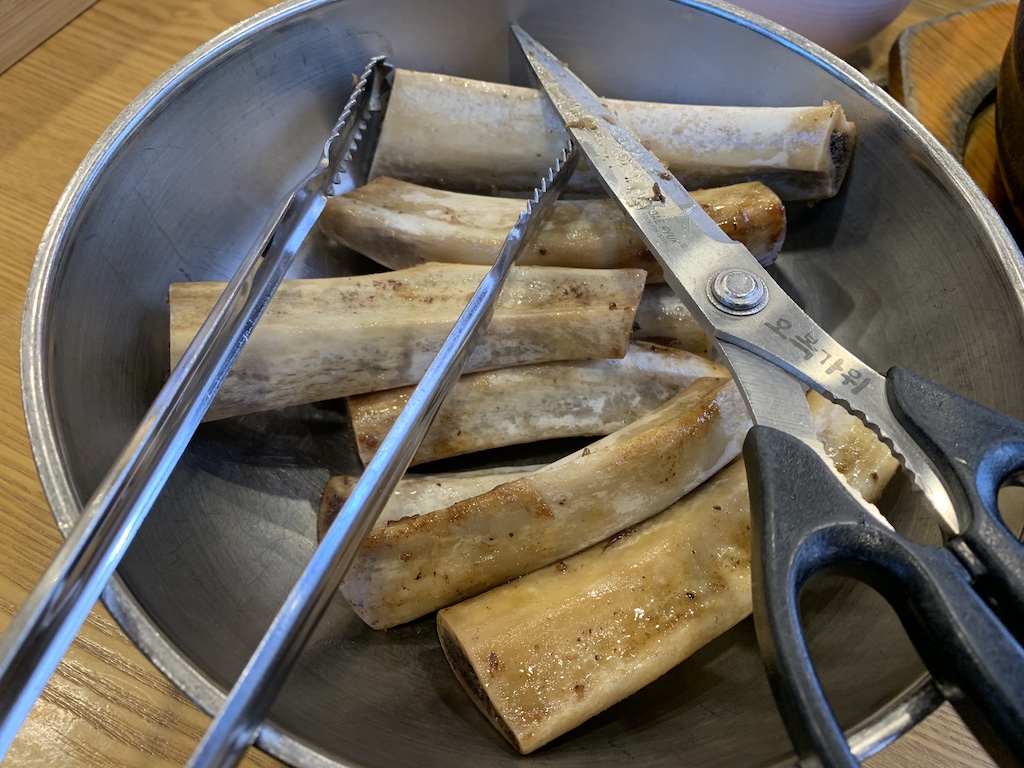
{"points": [[107, 705]]}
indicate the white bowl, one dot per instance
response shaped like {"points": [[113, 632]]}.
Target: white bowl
{"points": [[842, 26]]}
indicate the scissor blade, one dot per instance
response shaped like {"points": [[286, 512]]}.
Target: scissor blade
{"points": [[700, 262], [677, 228]]}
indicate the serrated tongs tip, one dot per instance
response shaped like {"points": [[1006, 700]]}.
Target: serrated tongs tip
{"points": [[548, 189], [568, 154], [349, 149]]}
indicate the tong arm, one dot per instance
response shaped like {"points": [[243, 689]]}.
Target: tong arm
{"points": [[41, 632], [46, 624], [234, 728]]}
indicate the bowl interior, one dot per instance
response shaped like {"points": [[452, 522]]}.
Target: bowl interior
{"points": [[904, 265]]}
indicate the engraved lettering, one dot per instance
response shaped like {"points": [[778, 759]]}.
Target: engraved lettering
{"points": [[850, 379], [837, 365], [807, 344], [779, 327]]}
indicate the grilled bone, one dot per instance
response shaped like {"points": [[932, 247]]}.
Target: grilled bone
{"points": [[467, 134], [417, 494], [662, 317], [399, 224], [526, 403], [416, 565], [335, 337], [546, 652]]}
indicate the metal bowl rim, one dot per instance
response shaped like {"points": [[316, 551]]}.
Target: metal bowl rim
{"points": [[916, 703]]}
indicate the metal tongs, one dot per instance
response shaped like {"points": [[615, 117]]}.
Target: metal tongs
{"points": [[234, 728], [962, 604], [46, 624], [40, 634]]}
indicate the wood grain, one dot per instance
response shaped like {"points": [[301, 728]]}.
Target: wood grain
{"points": [[107, 705], [944, 69], [24, 24]]}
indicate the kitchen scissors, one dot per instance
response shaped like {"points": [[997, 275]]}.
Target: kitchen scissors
{"points": [[962, 604]]}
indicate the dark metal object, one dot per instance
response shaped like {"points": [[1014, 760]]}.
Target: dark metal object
{"points": [[1010, 118]]}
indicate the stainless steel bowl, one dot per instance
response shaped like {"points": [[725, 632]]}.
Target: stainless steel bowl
{"points": [[908, 264]]}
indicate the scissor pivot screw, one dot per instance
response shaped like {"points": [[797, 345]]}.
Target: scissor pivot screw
{"points": [[738, 292]]}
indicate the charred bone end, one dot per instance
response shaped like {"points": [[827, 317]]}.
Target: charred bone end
{"points": [[472, 682], [841, 151], [335, 492]]}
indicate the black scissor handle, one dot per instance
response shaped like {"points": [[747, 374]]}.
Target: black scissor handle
{"points": [[806, 522], [976, 450]]}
